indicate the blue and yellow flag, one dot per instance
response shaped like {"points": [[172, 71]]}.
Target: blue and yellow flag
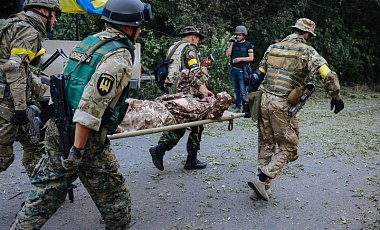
{"points": [[82, 6]]}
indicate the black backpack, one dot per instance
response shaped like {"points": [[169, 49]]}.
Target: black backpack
{"points": [[161, 70]]}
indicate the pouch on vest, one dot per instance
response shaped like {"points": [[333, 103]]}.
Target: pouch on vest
{"points": [[294, 95], [254, 100]]}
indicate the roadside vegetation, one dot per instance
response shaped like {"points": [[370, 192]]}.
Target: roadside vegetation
{"points": [[347, 34]]}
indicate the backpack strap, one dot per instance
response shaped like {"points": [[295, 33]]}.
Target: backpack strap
{"points": [[174, 49]]}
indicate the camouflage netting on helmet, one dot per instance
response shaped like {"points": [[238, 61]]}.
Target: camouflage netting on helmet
{"points": [[50, 4]]}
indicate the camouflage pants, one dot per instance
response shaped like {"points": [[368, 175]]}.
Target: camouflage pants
{"points": [[99, 174], [171, 138], [8, 135], [278, 135]]}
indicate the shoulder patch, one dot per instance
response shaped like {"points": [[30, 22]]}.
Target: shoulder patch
{"points": [[105, 84]]}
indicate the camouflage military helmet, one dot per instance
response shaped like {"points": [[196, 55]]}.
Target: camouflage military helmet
{"points": [[127, 12], [241, 30], [50, 4], [190, 30], [306, 25]]}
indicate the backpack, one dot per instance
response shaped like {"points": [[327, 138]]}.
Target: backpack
{"points": [[6, 23], [161, 70]]}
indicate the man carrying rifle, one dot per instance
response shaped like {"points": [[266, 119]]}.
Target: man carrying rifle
{"points": [[96, 82], [283, 71], [20, 51]]}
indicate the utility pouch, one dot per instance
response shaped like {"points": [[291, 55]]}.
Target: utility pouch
{"points": [[2, 90], [254, 100], [294, 95]]}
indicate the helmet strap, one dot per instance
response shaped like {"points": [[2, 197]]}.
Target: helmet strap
{"points": [[48, 18], [134, 32], [130, 37]]}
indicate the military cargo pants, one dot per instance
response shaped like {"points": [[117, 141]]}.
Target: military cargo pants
{"points": [[171, 138], [278, 135], [8, 135], [99, 174]]}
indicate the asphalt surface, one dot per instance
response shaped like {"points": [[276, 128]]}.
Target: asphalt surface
{"points": [[333, 185]]}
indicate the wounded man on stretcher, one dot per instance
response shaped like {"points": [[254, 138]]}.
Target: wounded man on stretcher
{"points": [[172, 109]]}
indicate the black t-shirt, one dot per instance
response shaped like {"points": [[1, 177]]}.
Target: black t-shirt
{"points": [[240, 49]]}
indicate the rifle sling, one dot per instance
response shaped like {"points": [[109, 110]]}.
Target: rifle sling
{"points": [[173, 50], [90, 52]]}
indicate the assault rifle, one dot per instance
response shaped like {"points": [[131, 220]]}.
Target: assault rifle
{"points": [[62, 118], [309, 89]]}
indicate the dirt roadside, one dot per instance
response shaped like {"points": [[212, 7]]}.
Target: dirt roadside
{"points": [[333, 185]]}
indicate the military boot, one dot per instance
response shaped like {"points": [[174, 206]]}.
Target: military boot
{"points": [[157, 152], [193, 163], [268, 183], [259, 188]]}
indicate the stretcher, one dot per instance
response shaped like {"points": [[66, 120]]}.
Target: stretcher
{"points": [[227, 116]]}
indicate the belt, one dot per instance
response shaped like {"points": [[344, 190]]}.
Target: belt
{"points": [[239, 68]]}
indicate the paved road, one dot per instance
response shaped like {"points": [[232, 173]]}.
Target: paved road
{"points": [[334, 185]]}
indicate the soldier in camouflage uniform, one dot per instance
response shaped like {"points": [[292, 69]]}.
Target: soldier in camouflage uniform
{"points": [[195, 85], [285, 68], [172, 109], [91, 103], [20, 52]]}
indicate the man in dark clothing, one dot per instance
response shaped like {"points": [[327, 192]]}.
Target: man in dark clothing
{"points": [[241, 53]]}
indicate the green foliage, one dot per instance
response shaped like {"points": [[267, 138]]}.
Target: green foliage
{"points": [[147, 91], [76, 26], [220, 69], [153, 49], [347, 32]]}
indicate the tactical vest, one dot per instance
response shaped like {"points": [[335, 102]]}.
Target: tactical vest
{"points": [[285, 68], [80, 76], [4, 25], [176, 66], [240, 49]]}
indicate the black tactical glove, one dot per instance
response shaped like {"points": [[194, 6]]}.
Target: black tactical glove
{"points": [[338, 104], [19, 117], [246, 111], [73, 160]]}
